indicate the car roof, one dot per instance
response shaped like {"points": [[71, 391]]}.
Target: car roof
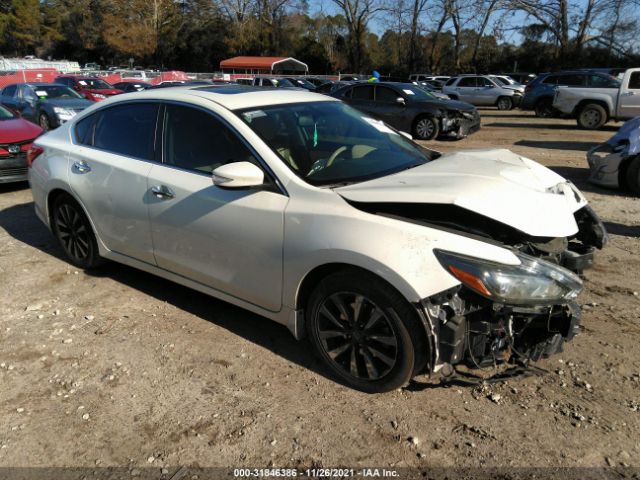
{"points": [[232, 97]]}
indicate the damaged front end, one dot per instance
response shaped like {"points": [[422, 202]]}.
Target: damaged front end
{"points": [[500, 313], [460, 123], [575, 253]]}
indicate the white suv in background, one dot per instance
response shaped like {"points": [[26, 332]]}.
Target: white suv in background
{"points": [[482, 90]]}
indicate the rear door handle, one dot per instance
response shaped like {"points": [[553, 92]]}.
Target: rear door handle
{"points": [[81, 166], [162, 192]]}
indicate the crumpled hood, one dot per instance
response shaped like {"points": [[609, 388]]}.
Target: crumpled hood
{"points": [[105, 91], [498, 184], [630, 133]]}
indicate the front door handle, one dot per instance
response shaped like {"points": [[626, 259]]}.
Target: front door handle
{"points": [[162, 191], [81, 166]]}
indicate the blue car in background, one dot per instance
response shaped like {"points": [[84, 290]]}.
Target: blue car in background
{"points": [[538, 94]]}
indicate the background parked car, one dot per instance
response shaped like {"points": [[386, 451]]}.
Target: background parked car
{"points": [[317, 81], [410, 109], [301, 83], [523, 78], [330, 87], [47, 104], [131, 86], [616, 163], [481, 90], [16, 137], [603, 98], [539, 93], [91, 88]]}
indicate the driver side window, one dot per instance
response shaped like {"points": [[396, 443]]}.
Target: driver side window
{"points": [[195, 140]]}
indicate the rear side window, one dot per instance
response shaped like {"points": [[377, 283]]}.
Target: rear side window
{"points": [[467, 82], [127, 130], [551, 79], [572, 80], [195, 140], [84, 130], [9, 91], [362, 93], [634, 80]]}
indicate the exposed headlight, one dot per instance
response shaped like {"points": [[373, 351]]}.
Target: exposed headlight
{"points": [[63, 113], [533, 282]]}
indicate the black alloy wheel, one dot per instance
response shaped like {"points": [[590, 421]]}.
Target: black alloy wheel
{"points": [[365, 331], [74, 233]]}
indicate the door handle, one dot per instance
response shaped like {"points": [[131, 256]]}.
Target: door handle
{"points": [[162, 191], [81, 166], [629, 93]]}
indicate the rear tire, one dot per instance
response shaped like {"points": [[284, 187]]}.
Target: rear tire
{"points": [[504, 103], [74, 233], [426, 128], [365, 332], [592, 116], [632, 175], [544, 108]]}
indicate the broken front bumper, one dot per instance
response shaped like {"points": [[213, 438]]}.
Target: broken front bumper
{"points": [[461, 125], [604, 165], [466, 329]]}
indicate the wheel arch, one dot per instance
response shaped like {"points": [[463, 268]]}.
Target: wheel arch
{"points": [[622, 171], [314, 276], [582, 103], [58, 191]]}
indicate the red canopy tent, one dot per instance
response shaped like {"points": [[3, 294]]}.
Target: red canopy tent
{"points": [[263, 65]]}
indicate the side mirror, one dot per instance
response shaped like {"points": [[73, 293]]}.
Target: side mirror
{"points": [[401, 101], [238, 175]]}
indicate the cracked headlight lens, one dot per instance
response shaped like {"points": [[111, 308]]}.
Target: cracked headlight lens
{"points": [[533, 282]]}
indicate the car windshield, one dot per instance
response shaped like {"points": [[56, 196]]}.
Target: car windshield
{"points": [[329, 143], [94, 84], [54, 91], [5, 114]]}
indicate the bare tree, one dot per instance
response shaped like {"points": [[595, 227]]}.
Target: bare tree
{"points": [[357, 14], [486, 8], [417, 10], [443, 15]]}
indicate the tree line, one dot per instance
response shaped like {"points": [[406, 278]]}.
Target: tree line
{"points": [[395, 37]]}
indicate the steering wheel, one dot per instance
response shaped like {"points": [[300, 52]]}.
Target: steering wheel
{"points": [[335, 155]]}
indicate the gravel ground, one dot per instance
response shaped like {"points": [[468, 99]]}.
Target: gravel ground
{"points": [[120, 368]]}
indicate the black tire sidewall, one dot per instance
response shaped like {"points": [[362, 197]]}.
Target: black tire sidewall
{"points": [[93, 258], [46, 118], [632, 176], [501, 99], [601, 111], [400, 315], [543, 108]]}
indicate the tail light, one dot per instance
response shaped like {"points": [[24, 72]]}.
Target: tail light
{"points": [[33, 153]]}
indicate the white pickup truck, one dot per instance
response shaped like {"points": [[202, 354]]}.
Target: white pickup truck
{"points": [[595, 105]]}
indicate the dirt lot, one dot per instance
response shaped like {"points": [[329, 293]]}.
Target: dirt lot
{"points": [[124, 369]]}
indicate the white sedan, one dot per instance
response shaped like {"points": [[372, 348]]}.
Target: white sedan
{"points": [[392, 259]]}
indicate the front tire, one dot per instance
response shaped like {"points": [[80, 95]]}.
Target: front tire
{"points": [[592, 116], [365, 332], [504, 103], [74, 233], [426, 128], [633, 175]]}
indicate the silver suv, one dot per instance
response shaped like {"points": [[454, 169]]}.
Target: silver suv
{"points": [[482, 90]]}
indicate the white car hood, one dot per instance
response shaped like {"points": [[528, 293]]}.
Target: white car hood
{"points": [[498, 184]]}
